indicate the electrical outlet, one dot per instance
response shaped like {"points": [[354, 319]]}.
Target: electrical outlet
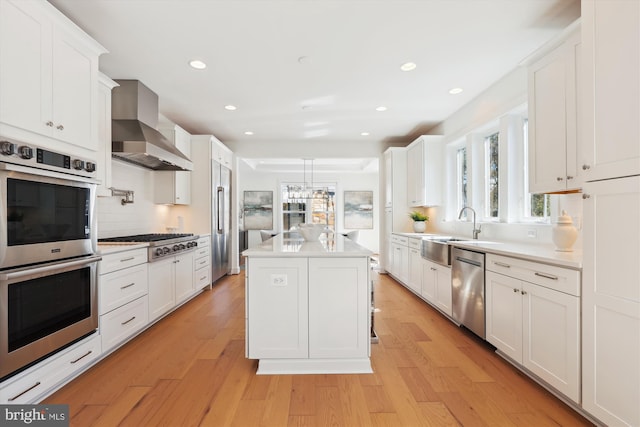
{"points": [[532, 234], [278, 280]]}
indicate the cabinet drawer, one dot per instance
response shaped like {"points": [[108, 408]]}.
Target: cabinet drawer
{"points": [[202, 252], [31, 386], [415, 243], [122, 286], [121, 323], [401, 240], [201, 262], [120, 260], [550, 276], [202, 277]]}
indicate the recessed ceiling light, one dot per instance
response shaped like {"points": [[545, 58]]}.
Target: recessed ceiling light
{"points": [[197, 64], [408, 66], [381, 108], [248, 132], [230, 107], [455, 91], [364, 133]]}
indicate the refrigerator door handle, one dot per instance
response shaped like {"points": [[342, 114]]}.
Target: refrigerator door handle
{"points": [[220, 196]]}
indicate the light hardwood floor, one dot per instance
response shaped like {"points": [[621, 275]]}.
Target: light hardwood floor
{"points": [[189, 369]]}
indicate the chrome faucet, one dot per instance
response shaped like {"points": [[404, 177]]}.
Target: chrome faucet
{"points": [[476, 231]]}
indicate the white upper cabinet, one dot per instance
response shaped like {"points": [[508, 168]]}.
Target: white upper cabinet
{"points": [[221, 154], [49, 70], [103, 161], [174, 187], [553, 118], [611, 62], [424, 171]]}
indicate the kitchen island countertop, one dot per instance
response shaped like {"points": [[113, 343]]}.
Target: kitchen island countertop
{"points": [[283, 246]]}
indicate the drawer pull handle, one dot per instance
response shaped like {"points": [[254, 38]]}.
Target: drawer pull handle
{"points": [[203, 277], [127, 259], [82, 357], [128, 321], [203, 262], [546, 276], [433, 269], [26, 391], [500, 264], [127, 286]]}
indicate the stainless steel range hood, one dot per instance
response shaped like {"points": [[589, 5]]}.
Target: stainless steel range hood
{"points": [[134, 117]]}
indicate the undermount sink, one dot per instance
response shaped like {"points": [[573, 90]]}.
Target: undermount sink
{"points": [[437, 248]]}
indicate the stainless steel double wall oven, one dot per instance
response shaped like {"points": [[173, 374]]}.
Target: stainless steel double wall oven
{"points": [[48, 262]]}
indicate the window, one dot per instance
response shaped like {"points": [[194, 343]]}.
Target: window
{"points": [[536, 206], [461, 179], [491, 147], [300, 206]]}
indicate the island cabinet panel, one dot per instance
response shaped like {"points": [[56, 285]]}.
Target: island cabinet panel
{"points": [[338, 302], [278, 309]]}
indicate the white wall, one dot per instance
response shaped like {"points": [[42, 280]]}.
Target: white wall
{"points": [[251, 180]]}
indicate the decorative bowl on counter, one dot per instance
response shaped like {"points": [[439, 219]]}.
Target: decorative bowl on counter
{"points": [[310, 232]]}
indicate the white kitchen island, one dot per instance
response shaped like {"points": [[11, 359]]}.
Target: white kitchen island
{"points": [[308, 306]]}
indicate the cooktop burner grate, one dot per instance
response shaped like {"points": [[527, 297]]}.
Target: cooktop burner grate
{"points": [[152, 237]]}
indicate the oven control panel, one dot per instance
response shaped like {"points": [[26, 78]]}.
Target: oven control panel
{"points": [[42, 158]]}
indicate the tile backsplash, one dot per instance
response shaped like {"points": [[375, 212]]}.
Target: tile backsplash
{"points": [[142, 216]]}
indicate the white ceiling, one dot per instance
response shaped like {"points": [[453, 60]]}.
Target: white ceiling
{"points": [[315, 70]]}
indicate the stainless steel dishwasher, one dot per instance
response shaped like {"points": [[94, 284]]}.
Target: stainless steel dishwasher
{"points": [[467, 289]]}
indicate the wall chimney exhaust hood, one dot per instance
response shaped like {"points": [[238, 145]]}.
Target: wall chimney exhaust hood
{"points": [[134, 117]]}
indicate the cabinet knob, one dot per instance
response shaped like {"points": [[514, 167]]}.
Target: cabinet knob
{"points": [[49, 123], [523, 292], [60, 127], [569, 177], [586, 167], [515, 290], [559, 178], [586, 196]]}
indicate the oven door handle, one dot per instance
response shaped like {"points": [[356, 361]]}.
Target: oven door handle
{"points": [[48, 268]]}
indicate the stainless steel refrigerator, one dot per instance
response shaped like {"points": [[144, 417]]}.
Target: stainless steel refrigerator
{"points": [[221, 217]]}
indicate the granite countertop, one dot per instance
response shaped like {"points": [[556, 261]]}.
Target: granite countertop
{"points": [[530, 252], [282, 246]]}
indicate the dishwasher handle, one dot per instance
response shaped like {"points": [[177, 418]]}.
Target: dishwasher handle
{"points": [[469, 261]]}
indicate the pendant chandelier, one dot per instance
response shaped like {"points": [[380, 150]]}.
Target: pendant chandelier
{"points": [[306, 190]]}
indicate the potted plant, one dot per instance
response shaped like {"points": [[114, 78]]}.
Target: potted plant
{"points": [[419, 221]]}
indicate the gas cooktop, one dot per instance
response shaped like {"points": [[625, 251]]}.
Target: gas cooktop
{"points": [[160, 244]]}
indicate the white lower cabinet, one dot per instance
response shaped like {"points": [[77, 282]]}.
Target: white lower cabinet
{"points": [[40, 380], [122, 290], [399, 258], [532, 322], [170, 282], [611, 301], [414, 279], [338, 303], [436, 285], [277, 308], [202, 263], [122, 323], [308, 308], [184, 284]]}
